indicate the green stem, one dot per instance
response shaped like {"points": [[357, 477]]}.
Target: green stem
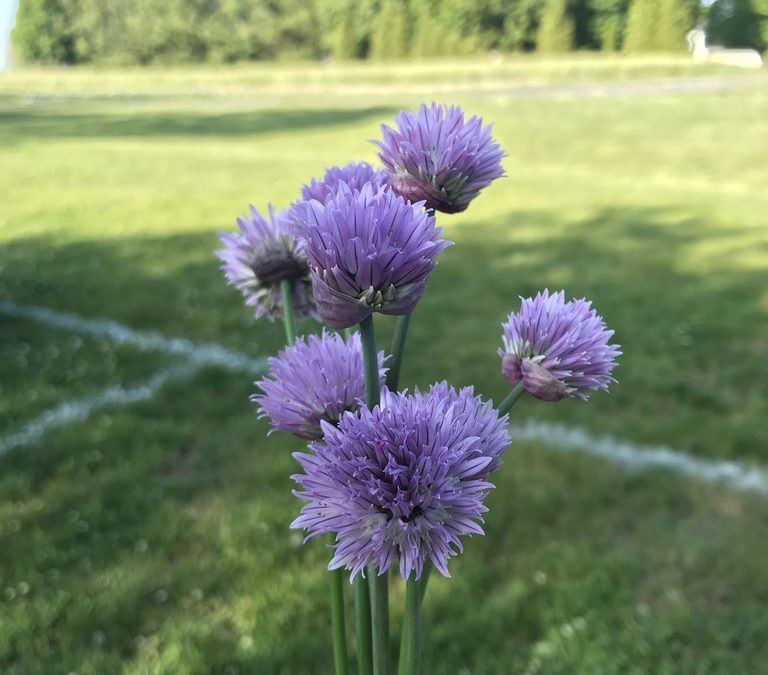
{"points": [[336, 579], [410, 641], [406, 627], [398, 346], [289, 318], [377, 584], [379, 587], [509, 401], [363, 626], [370, 362], [425, 578]]}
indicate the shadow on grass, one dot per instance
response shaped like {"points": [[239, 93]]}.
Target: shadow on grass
{"points": [[693, 340], [157, 536], [19, 125]]}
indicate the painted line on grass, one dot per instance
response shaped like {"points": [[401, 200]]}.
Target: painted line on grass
{"points": [[638, 88], [196, 356], [562, 438], [504, 87], [78, 410], [202, 353], [559, 437]]}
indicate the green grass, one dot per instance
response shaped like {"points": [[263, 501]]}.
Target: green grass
{"points": [[154, 538], [351, 79]]}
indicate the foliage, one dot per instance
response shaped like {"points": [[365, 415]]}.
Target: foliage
{"points": [[521, 24], [343, 41], [739, 23], [658, 25], [425, 39], [609, 32], [389, 38], [148, 31], [556, 28], [44, 31], [445, 29], [673, 25], [145, 31], [608, 22], [642, 23]]}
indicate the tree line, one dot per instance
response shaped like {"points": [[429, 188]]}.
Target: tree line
{"points": [[173, 31]]}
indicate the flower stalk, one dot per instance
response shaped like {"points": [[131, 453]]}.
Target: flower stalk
{"points": [[377, 583], [289, 316], [398, 347], [335, 577], [407, 627], [370, 362], [338, 631], [506, 405], [425, 578], [363, 626], [410, 640]]}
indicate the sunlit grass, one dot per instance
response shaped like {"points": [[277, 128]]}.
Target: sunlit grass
{"points": [[362, 78]]}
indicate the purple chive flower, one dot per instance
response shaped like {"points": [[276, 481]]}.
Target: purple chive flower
{"points": [[315, 380], [557, 348], [402, 483], [435, 156], [479, 419], [261, 255], [369, 251], [354, 174]]}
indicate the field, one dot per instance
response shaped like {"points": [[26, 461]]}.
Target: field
{"points": [[150, 534]]}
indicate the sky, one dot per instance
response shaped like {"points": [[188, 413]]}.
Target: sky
{"points": [[7, 15]]}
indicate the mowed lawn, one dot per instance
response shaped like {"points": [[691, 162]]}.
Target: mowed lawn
{"points": [[153, 537]]}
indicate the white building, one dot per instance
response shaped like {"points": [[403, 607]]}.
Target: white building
{"points": [[697, 45]]}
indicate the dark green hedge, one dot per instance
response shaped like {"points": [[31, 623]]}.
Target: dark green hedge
{"points": [[146, 31]]}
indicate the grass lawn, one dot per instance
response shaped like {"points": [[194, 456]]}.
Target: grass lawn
{"points": [[153, 538]]}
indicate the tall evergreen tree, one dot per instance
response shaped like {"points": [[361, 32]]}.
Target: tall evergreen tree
{"points": [[151, 31], [425, 39], [556, 29], [521, 24], [761, 10], [737, 23], [389, 39], [610, 33], [44, 32], [608, 23], [439, 31], [344, 42], [640, 34], [673, 24]]}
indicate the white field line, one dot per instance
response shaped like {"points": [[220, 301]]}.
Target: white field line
{"points": [[566, 439], [194, 356], [559, 437], [202, 353], [503, 87], [81, 409], [638, 88]]}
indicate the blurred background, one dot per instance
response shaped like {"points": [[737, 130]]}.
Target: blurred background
{"points": [[224, 31], [143, 511]]}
